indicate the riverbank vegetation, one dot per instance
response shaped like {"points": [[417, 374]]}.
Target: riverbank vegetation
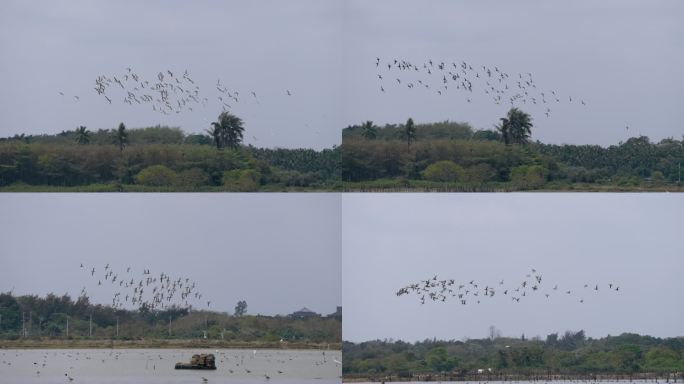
{"points": [[160, 159], [59, 321], [571, 354], [449, 156]]}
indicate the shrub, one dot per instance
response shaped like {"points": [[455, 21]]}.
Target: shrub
{"points": [[156, 176], [481, 172], [444, 170], [241, 180], [193, 177], [528, 176]]}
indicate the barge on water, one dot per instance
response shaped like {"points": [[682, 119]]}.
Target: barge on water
{"points": [[203, 361]]}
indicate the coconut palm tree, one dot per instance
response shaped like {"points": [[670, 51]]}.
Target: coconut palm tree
{"points": [[234, 130], [515, 127], [368, 130], [227, 131], [409, 132], [82, 135], [121, 136], [215, 133]]}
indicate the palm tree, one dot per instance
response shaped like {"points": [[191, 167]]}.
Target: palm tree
{"points": [[409, 132], [215, 133], [82, 135], [121, 136], [368, 130], [227, 131], [234, 130], [515, 127]]}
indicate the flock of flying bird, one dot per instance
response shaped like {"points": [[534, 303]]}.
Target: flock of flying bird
{"points": [[169, 92], [150, 291], [442, 78], [175, 93], [474, 292]]}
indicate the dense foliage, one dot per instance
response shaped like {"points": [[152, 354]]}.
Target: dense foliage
{"points": [[48, 319], [569, 353], [454, 154], [160, 158]]}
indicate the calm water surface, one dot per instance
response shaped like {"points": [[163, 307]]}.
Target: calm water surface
{"points": [[156, 366]]}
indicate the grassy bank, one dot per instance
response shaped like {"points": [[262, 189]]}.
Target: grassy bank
{"points": [[407, 185], [95, 188], [670, 377]]}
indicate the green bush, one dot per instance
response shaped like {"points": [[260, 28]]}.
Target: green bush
{"points": [[444, 170], [481, 172], [528, 176], [156, 176], [193, 177], [241, 180]]}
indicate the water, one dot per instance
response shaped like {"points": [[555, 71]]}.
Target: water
{"points": [[157, 366]]}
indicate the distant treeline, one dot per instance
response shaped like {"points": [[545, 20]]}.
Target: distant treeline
{"points": [[453, 154], [34, 317], [160, 158], [444, 156], [567, 354]]}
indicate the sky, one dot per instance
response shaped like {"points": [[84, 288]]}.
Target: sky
{"points": [[623, 57], [278, 252], [630, 240]]}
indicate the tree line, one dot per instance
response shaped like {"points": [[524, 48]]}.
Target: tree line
{"points": [[446, 154], [163, 158], [450, 153], [61, 317], [568, 353]]}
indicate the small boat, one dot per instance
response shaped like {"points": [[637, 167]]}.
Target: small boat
{"points": [[203, 361]]}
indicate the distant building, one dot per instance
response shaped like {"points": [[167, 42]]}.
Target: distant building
{"points": [[304, 313], [337, 314]]}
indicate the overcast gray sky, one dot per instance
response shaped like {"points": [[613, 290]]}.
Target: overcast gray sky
{"points": [[267, 47], [279, 252], [632, 240], [623, 57]]}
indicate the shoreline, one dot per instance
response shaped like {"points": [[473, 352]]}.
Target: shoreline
{"points": [[668, 377], [161, 344]]}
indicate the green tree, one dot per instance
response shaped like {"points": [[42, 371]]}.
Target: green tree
{"points": [[662, 358], [487, 135], [516, 127], [443, 170], [121, 136], [82, 135], [628, 358], [241, 308], [227, 131], [156, 176], [216, 135], [528, 176], [241, 180], [10, 312], [439, 361], [193, 177], [369, 131], [409, 132], [481, 172]]}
